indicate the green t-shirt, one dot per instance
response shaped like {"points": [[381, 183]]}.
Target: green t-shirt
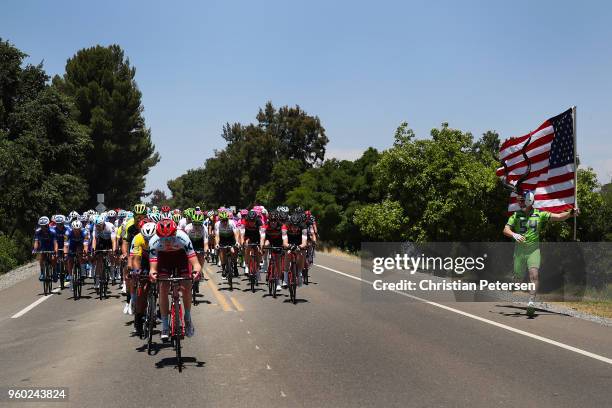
{"points": [[529, 226]]}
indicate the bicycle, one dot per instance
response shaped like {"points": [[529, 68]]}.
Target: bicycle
{"points": [[273, 274], [228, 267], [293, 274], [150, 316], [177, 326], [77, 278], [61, 268], [253, 267], [310, 253], [47, 281], [195, 288], [103, 278]]}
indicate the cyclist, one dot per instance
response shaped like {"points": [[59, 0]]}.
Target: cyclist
{"points": [[44, 240], [273, 237], [295, 240], [198, 234], [172, 249], [76, 243], [252, 231], [130, 230], [60, 230], [525, 227], [104, 238], [138, 263], [226, 234]]}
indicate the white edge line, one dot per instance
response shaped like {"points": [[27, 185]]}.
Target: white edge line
{"points": [[33, 305], [491, 322]]}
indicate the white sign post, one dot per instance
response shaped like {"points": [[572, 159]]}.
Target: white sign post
{"points": [[100, 207]]}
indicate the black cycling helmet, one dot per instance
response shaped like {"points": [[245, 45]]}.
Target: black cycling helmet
{"points": [[251, 215], [295, 219], [283, 216], [273, 216]]}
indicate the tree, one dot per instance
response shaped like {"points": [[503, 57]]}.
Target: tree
{"points": [[108, 101], [237, 174], [158, 198]]}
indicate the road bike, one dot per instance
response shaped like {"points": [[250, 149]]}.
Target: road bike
{"points": [[253, 266], [276, 258], [47, 281], [292, 276], [104, 276], [150, 316], [229, 266], [195, 288], [61, 268], [177, 322], [76, 276]]}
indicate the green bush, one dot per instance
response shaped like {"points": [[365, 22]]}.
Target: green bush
{"points": [[8, 254]]}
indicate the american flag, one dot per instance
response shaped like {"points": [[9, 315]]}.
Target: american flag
{"points": [[551, 153]]}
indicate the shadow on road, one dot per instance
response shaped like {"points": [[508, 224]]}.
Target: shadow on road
{"points": [[521, 311], [187, 362]]}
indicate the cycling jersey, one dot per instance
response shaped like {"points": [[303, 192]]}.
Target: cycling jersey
{"points": [[198, 234], [294, 234], [139, 246], [45, 238], [74, 239], [108, 231], [253, 230], [178, 242], [226, 231], [182, 224], [59, 236], [275, 234]]}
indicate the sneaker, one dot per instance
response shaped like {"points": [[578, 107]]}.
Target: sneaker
{"points": [[130, 309], [224, 278], [189, 329], [55, 277], [278, 287], [164, 335], [126, 308], [123, 288], [96, 285], [41, 277]]}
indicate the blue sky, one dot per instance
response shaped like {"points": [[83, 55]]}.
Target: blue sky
{"points": [[362, 67]]}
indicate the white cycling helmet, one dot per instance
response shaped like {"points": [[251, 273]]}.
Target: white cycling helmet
{"points": [[111, 214], [73, 215], [155, 217], [76, 224], [99, 220], [42, 221], [83, 218], [59, 219], [148, 230]]}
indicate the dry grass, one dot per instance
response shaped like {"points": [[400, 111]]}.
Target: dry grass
{"points": [[595, 308]]}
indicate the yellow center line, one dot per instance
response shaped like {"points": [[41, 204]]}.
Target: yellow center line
{"points": [[220, 298], [237, 304]]}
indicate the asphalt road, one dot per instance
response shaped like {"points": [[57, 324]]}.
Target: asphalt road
{"points": [[335, 348]]}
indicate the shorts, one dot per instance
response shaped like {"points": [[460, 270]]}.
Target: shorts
{"points": [[276, 242], [227, 241], [524, 260], [75, 248], [198, 244], [102, 244], [45, 245], [170, 261], [252, 237]]}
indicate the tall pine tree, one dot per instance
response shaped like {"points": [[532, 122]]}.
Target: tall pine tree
{"points": [[108, 101]]}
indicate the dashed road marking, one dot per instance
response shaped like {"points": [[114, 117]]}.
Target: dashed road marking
{"points": [[34, 304]]}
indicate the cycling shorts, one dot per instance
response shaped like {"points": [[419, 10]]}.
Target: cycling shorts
{"points": [[168, 261]]}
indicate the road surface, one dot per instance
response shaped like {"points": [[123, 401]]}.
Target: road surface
{"points": [[335, 348]]}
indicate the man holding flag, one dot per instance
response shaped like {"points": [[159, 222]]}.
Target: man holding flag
{"points": [[540, 170]]}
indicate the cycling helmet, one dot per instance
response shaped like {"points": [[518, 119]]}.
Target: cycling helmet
{"points": [[111, 214], [42, 221], [83, 218], [165, 208], [528, 197], [223, 216], [154, 209], [99, 221], [148, 230], [251, 216], [140, 208], [283, 216], [198, 218], [308, 213], [197, 208], [166, 228], [177, 210], [244, 212], [176, 217], [76, 224], [59, 219], [155, 217], [73, 214], [129, 214], [273, 216], [211, 213], [295, 219], [264, 211], [122, 214]]}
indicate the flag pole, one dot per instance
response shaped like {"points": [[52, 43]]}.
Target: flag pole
{"points": [[575, 169]]}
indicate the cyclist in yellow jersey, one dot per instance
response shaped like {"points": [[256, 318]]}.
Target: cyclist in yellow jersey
{"points": [[138, 262]]}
